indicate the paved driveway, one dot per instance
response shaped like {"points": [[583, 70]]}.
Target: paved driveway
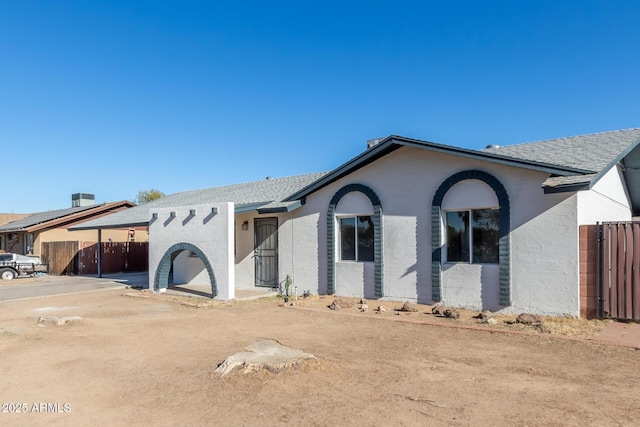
{"points": [[25, 288]]}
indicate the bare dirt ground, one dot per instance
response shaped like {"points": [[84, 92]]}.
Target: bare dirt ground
{"points": [[143, 359]]}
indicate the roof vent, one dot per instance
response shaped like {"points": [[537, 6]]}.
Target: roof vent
{"points": [[82, 199], [269, 177], [373, 142], [492, 146]]}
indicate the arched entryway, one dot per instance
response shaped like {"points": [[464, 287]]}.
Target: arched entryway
{"points": [[504, 233], [161, 279]]}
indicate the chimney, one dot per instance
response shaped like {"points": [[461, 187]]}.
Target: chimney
{"points": [[82, 199]]}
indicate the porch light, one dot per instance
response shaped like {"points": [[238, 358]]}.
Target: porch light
{"points": [[172, 214], [245, 225], [154, 216], [214, 211], [192, 212]]}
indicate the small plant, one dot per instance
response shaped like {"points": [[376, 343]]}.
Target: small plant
{"points": [[287, 286]]}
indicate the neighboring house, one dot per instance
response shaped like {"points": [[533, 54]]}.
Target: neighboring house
{"points": [[493, 229], [26, 235], [6, 218]]}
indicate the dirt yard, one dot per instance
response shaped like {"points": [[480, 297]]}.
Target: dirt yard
{"points": [[149, 360]]}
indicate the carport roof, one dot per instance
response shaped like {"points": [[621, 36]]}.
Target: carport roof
{"points": [[265, 196]]}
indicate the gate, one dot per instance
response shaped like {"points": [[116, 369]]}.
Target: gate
{"points": [[61, 257], [618, 270]]}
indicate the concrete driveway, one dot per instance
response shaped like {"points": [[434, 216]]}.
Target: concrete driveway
{"points": [[43, 286]]}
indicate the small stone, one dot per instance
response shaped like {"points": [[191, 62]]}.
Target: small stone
{"points": [[528, 319], [451, 313], [60, 320], [409, 307], [381, 309], [364, 307], [335, 305], [363, 301], [491, 321]]}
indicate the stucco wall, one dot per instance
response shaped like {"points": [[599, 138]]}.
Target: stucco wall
{"points": [[244, 248], [212, 234], [606, 201], [544, 237]]}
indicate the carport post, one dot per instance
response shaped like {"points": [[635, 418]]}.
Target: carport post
{"points": [[99, 252]]}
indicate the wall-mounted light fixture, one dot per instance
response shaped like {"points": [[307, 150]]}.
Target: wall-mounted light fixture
{"points": [[214, 211], [192, 212], [245, 225], [154, 216], [172, 214]]}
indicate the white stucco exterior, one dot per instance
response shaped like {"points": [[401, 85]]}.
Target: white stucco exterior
{"points": [[606, 201], [543, 235], [211, 233]]}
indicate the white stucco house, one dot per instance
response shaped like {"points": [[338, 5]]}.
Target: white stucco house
{"points": [[407, 219]]}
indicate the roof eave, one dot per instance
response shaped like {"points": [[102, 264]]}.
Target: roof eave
{"points": [[566, 188], [281, 209], [112, 226]]}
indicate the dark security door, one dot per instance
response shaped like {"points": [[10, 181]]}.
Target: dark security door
{"points": [[266, 251]]}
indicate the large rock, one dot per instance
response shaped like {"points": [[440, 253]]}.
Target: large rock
{"points": [[263, 355], [340, 303], [528, 319], [410, 307]]}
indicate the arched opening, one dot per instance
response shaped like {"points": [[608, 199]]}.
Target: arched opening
{"points": [[376, 219], [161, 279], [504, 232]]}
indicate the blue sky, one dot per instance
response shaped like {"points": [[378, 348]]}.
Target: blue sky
{"points": [[111, 97]]}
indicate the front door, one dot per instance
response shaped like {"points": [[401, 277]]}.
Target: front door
{"points": [[266, 251]]}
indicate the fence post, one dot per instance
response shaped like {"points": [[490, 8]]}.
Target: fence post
{"points": [[99, 252], [598, 301]]}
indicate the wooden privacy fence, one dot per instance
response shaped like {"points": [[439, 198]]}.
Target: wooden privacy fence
{"points": [[610, 270], [61, 257], [74, 258]]}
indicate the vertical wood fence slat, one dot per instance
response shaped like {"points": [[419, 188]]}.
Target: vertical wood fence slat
{"points": [[613, 296], [635, 288], [625, 303], [621, 271], [605, 253]]}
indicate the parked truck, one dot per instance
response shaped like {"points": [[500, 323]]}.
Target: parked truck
{"points": [[14, 265]]}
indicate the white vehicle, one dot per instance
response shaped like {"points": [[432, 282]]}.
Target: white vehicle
{"points": [[14, 265]]}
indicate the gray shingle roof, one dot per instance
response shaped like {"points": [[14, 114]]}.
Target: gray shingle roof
{"points": [[593, 152], [267, 193], [40, 217]]}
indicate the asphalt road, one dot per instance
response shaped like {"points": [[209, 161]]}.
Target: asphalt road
{"points": [[43, 286]]}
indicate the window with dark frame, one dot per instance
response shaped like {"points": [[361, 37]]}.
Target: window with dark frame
{"points": [[473, 236], [356, 239]]}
